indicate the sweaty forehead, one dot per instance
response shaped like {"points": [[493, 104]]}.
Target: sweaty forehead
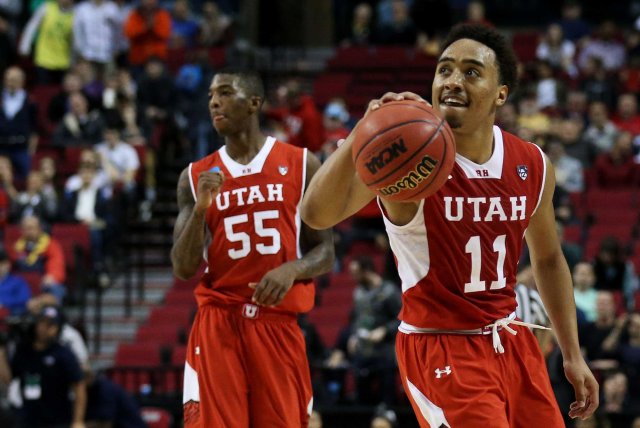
{"points": [[226, 80], [468, 49]]}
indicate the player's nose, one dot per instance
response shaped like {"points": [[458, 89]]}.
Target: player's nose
{"points": [[453, 80]]}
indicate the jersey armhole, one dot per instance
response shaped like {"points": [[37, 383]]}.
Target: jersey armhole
{"points": [[191, 184], [417, 219], [544, 178]]}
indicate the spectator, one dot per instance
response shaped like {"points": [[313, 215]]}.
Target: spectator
{"points": [[569, 174], [593, 334], [216, 27], [157, 98], [148, 29], [95, 27], [613, 271], [37, 251], [91, 205], [570, 134], [7, 190], [51, 381], [433, 18], [605, 47], [109, 405], [576, 106], [614, 387], [573, 26], [601, 132], [616, 168], [596, 83], [34, 202], [18, 138], [550, 92], [316, 351], [47, 169], [361, 26], [557, 50], [626, 117], [300, 117], [14, 290], [80, 126], [335, 121], [184, 29], [118, 159], [369, 341], [69, 335], [585, 295], [507, 117], [51, 26], [59, 104], [531, 117], [92, 83], [89, 158], [476, 14], [400, 31]]}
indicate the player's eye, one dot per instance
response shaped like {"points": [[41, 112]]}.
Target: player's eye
{"points": [[443, 70], [473, 72]]}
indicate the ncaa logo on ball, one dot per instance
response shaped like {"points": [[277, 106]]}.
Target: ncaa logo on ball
{"points": [[410, 181], [386, 155]]}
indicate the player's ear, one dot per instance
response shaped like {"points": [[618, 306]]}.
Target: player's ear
{"points": [[255, 104], [503, 92]]}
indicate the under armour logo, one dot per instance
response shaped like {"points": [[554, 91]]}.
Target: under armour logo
{"points": [[283, 170], [197, 350], [249, 311], [446, 371]]}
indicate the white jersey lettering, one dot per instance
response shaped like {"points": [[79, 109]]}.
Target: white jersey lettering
{"points": [[254, 194], [516, 208], [495, 208], [275, 192], [447, 208]]}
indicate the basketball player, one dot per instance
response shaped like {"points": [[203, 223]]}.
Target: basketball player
{"points": [[246, 363], [461, 363]]}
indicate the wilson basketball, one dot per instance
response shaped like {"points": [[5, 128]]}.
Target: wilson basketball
{"points": [[404, 151]]}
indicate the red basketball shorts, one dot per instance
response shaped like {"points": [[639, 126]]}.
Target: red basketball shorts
{"points": [[458, 381], [246, 367]]}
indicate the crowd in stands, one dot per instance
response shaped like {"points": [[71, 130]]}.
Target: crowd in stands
{"points": [[92, 101]]}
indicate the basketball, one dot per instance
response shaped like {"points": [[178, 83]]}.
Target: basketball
{"points": [[403, 151]]}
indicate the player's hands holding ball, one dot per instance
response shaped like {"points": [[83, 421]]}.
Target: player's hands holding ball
{"points": [[402, 149], [209, 184]]}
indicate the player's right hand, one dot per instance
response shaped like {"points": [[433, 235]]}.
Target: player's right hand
{"points": [[209, 184], [393, 96]]}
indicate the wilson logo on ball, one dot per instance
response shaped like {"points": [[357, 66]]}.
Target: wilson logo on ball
{"points": [[410, 181], [387, 155]]}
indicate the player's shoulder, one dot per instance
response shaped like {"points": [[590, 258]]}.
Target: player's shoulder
{"points": [[517, 144], [283, 147], [205, 162]]}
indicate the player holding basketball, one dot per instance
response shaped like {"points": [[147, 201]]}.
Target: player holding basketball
{"points": [[246, 363], [457, 251]]}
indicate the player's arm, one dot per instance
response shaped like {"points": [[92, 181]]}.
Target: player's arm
{"points": [[555, 287], [336, 192], [318, 258], [189, 230]]}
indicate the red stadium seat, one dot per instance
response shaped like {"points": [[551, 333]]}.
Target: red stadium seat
{"points": [[177, 315], [70, 236], [609, 199], [163, 334], [179, 297], [138, 355], [573, 233], [525, 44], [179, 355]]}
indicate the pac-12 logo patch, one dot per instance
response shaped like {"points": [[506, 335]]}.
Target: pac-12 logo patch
{"points": [[523, 171], [283, 170]]}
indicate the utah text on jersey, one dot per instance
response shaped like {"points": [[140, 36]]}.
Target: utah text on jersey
{"points": [[485, 209]]}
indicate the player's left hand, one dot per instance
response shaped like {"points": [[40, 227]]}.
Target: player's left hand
{"points": [[585, 386], [273, 286]]}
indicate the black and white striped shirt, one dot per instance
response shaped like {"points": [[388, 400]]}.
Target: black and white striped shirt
{"points": [[530, 308]]}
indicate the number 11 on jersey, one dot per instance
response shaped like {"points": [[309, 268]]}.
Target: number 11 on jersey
{"points": [[475, 283]]}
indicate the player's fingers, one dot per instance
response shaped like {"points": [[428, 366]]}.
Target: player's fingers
{"points": [[391, 96], [258, 294], [274, 294], [373, 105], [252, 285], [414, 97], [280, 297]]}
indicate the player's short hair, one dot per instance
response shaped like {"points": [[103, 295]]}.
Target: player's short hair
{"points": [[249, 79], [505, 56]]}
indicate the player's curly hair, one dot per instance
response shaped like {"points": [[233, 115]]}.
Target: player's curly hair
{"points": [[505, 56]]}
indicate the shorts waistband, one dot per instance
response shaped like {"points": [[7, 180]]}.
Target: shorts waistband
{"points": [[488, 329], [255, 312]]}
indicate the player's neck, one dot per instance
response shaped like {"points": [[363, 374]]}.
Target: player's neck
{"points": [[244, 146], [476, 146]]}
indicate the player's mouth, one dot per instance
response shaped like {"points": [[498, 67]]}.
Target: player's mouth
{"points": [[218, 117], [453, 101]]}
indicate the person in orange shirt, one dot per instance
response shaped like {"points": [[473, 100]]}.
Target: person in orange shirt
{"points": [[37, 251], [148, 28]]}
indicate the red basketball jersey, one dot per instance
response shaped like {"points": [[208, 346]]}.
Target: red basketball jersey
{"points": [[254, 224], [458, 257]]}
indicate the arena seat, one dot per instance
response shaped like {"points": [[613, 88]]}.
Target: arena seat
{"points": [[163, 334], [156, 417]]}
